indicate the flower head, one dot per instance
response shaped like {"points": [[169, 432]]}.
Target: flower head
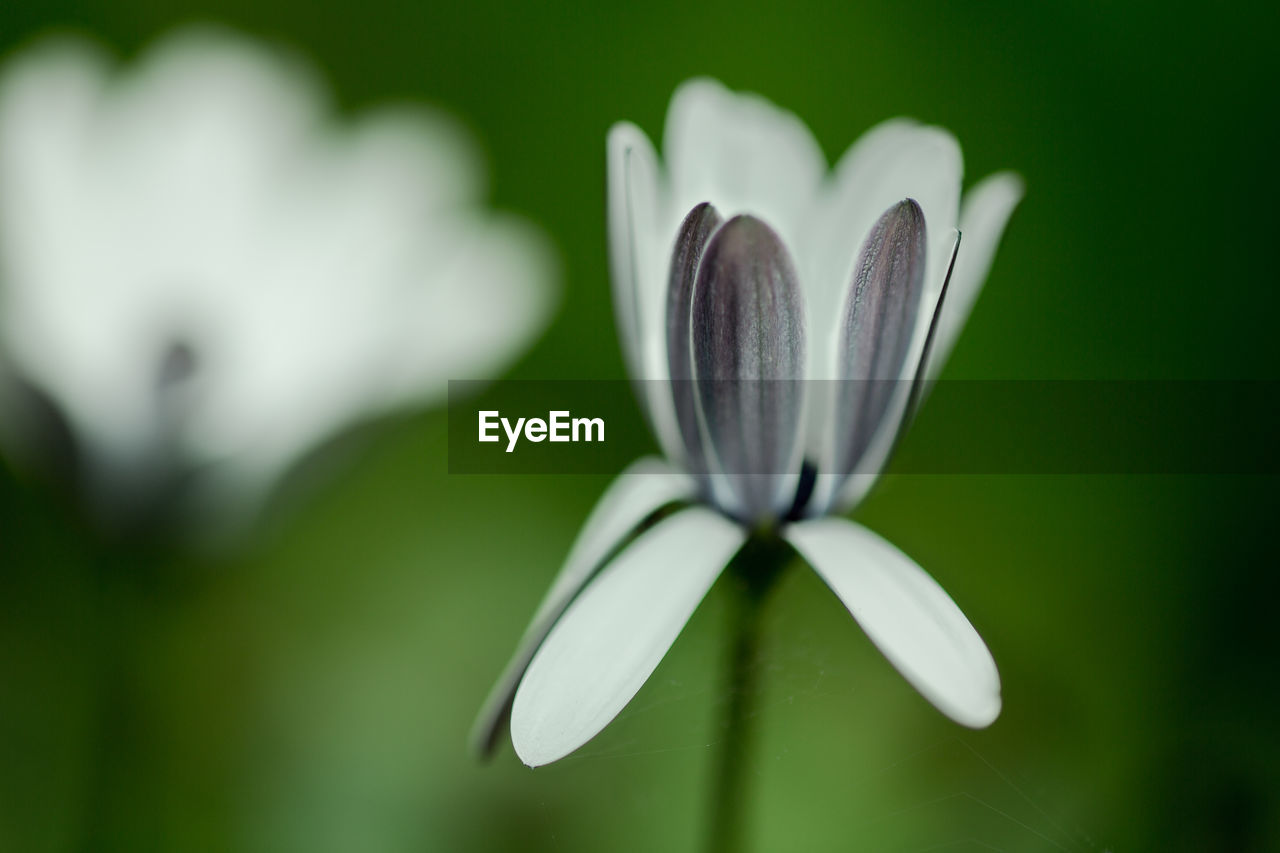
{"points": [[206, 276], [741, 270]]}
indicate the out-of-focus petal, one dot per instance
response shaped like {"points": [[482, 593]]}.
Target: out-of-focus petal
{"points": [[646, 486], [639, 253], [742, 153], [633, 225], [911, 619], [200, 202], [614, 634], [894, 160], [983, 216], [51, 98]]}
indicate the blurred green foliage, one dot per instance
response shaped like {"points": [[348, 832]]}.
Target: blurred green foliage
{"points": [[314, 693]]}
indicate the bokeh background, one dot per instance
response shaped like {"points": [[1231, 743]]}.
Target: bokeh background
{"points": [[312, 692]]}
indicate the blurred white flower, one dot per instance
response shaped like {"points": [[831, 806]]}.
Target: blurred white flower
{"points": [[738, 270], [204, 273]]}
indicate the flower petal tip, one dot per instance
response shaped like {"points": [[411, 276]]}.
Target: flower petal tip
{"points": [[624, 134], [537, 744], [981, 717], [703, 86], [1000, 191], [482, 740], [531, 755], [1013, 182]]}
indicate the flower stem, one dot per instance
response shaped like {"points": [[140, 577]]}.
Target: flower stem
{"points": [[751, 577], [130, 585]]}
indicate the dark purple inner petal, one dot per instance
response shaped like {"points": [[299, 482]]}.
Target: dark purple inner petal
{"points": [[878, 322], [695, 232], [749, 357]]}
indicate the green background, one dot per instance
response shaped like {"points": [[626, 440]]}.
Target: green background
{"points": [[314, 693]]}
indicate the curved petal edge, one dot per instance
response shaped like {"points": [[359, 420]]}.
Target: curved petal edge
{"points": [[907, 615], [616, 632], [983, 217], [644, 487]]}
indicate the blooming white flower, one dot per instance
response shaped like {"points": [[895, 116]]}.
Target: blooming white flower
{"points": [[204, 273], [738, 269]]}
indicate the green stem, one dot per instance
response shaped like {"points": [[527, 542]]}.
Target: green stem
{"points": [[129, 586], [114, 719], [750, 578]]}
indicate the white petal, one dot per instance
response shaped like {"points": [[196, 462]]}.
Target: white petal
{"points": [[644, 487], [473, 313], [633, 223], [196, 139], [743, 154], [51, 97], [895, 160], [986, 210], [319, 273], [446, 290], [613, 636], [640, 257], [155, 218], [907, 615]]}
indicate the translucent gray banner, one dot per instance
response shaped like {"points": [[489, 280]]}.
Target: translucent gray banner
{"points": [[958, 427]]}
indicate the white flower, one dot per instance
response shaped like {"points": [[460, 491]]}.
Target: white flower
{"points": [[742, 261], [205, 274]]}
